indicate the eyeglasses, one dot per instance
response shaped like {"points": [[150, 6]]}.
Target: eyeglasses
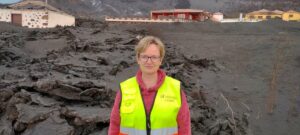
{"points": [[144, 58]]}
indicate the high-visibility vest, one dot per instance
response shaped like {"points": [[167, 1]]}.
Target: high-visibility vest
{"points": [[162, 119]]}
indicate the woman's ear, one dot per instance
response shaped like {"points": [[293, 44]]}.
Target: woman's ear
{"points": [[161, 61]]}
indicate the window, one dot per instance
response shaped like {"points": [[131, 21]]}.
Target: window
{"points": [[290, 16], [268, 17], [45, 17], [260, 17], [252, 17]]}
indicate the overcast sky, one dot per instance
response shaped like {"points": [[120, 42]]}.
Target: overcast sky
{"points": [[8, 1]]}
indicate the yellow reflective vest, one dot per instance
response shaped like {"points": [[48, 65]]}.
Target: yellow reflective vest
{"points": [[162, 119]]}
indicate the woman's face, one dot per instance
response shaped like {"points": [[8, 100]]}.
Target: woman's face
{"points": [[150, 60]]}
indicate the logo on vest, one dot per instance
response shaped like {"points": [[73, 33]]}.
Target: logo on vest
{"points": [[167, 98], [127, 104]]}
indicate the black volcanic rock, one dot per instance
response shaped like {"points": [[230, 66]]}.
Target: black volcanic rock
{"points": [[70, 88], [53, 125]]}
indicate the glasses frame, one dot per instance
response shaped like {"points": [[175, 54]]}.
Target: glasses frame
{"points": [[153, 59]]}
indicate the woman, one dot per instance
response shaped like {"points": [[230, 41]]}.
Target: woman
{"points": [[151, 102]]}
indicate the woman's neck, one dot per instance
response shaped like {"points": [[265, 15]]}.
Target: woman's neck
{"points": [[149, 79]]}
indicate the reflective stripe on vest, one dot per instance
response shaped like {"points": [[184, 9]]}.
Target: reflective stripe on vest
{"points": [[163, 116], [163, 131]]}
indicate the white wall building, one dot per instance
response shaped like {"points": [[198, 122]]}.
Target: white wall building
{"points": [[218, 16], [43, 17]]}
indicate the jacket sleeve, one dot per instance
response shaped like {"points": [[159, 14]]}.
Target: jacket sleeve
{"points": [[183, 117], [114, 124]]}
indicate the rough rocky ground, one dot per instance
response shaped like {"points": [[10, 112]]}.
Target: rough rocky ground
{"points": [[239, 78]]}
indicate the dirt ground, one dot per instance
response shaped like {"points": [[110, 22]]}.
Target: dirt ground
{"points": [[240, 78]]}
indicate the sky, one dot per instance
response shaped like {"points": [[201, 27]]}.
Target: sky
{"points": [[8, 1]]}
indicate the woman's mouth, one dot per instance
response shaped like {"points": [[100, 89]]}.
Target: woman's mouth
{"points": [[148, 67]]}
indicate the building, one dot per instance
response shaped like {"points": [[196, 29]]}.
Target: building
{"points": [[263, 15], [139, 20], [35, 14], [291, 15], [165, 16], [218, 17], [180, 14], [278, 12]]}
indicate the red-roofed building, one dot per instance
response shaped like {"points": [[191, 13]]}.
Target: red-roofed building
{"points": [[180, 14]]}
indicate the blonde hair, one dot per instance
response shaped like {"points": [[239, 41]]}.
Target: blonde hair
{"points": [[145, 42]]}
